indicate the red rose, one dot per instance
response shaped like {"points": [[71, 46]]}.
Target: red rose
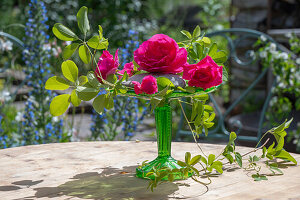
{"points": [[107, 65], [160, 54], [204, 74], [128, 67], [137, 87], [148, 85]]}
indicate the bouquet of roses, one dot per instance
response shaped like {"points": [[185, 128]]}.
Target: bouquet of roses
{"points": [[161, 70]]}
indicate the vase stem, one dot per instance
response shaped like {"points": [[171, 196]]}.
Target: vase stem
{"points": [[163, 121]]}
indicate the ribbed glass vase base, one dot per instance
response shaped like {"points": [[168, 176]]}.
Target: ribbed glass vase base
{"points": [[159, 162]]}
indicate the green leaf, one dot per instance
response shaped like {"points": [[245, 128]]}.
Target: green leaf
{"points": [[224, 74], [218, 166], [195, 170], [201, 97], [194, 111], [100, 31], [213, 50], [187, 157], [154, 101], [69, 50], [258, 177], [93, 80], [211, 117], [203, 159], [285, 155], [124, 77], [231, 148], [86, 92], [182, 164], [232, 138], [209, 169], [56, 83], [163, 82], [199, 108], [238, 159], [190, 89], [135, 65], [82, 80], [112, 78], [220, 57], [99, 103], [255, 158], [229, 158], [186, 33], [74, 99], [211, 159], [208, 108], [63, 33], [84, 54], [195, 160], [171, 177], [196, 32], [69, 70], [280, 144], [287, 124], [205, 129], [199, 49], [82, 19], [163, 92], [96, 43], [208, 125], [280, 128], [109, 102], [198, 121], [59, 104]]}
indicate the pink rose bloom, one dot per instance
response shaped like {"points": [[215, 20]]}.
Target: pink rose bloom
{"points": [[149, 85], [137, 87], [204, 74], [160, 54], [128, 67], [107, 65]]}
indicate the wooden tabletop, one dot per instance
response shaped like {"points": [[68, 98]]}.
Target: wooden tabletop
{"points": [[105, 170]]}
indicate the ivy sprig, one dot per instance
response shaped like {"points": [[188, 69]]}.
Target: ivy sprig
{"points": [[212, 162]]}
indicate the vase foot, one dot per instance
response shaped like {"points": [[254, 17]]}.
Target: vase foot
{"points": [[159, 162]]}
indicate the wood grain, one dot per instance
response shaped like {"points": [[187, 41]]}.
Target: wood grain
{"points": [[105, 170]]}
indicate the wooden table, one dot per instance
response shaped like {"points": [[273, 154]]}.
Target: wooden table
{"points": [[105, 170]]}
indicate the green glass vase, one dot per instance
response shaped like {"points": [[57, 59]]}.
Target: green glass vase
{"points": [[163, 121]]}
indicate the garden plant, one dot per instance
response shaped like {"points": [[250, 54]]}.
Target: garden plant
{"points": [[161, 71]]}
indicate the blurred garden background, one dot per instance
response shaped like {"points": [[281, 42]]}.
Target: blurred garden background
{"points": [[30, 54]]}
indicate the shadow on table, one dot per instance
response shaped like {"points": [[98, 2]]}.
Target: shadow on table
{"points": [[15, 185], [111, 183]]}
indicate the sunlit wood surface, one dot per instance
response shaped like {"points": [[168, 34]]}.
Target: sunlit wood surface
{"points": [[105, 170]]}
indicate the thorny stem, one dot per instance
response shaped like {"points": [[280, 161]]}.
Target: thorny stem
{"points": [[191, 128]]}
